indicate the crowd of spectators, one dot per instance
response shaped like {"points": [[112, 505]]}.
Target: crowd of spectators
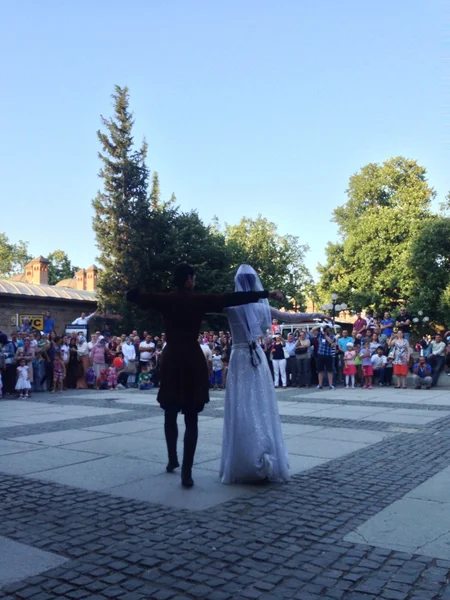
{"points": [[372, 352]]}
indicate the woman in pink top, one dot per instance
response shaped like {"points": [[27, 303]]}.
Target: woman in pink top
{"points": [[98, 357]]}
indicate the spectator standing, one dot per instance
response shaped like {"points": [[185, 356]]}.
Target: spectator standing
{"points": [[359, 326], [341, 348], [387, 325], [217, 366], [49, 323], [401, 353], [83, 362], [84, 319], [146, 350], [23, 382], [303, 358], [436, 357], [349, 366], [379, 361], [26, 352], [275, 327], [279, 361], [291, 361], [72, 365], [326, 351], [366, 363], [422, 374], [403, 323], [207, 353], [98, 357]]}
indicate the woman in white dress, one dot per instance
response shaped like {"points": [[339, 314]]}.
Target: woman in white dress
{"points": [[253, 448]]}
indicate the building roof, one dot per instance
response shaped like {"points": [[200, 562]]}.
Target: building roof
{"points": [[9, 287]]}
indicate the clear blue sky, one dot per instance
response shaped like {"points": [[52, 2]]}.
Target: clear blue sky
{"points": [[248, 106]]}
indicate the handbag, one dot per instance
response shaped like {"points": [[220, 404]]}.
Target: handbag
{"points": [[131, 368]]}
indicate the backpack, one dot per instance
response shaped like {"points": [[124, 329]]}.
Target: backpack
{"points": [[90, 376]]}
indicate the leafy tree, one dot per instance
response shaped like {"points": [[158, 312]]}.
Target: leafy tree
{"points": [[430, 263], [386, 207], [13, 257], [279, 259], [59, 267], [122, 208], [142, 238]]}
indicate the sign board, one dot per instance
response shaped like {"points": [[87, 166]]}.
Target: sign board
{"points": [[69, 329], [36, 321]]}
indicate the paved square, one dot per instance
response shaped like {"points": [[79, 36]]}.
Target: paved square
{"points": [[83, 485]]}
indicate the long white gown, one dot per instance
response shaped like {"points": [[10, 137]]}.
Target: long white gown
{"points": [[253, 447]]}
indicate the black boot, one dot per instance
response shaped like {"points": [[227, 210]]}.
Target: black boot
{"points": [[186, 477], [172, 464], [190, 444], [171, 431]]}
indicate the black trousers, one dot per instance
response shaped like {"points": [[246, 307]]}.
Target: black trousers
{"points": [[9, 379], [190, 436], [291, 371]]}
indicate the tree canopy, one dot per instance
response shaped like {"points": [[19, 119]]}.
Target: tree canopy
{"points": [[13, 257], [386, 209], [59, 267], [279, 259], [142, 238]]}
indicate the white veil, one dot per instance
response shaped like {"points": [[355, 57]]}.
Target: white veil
{"points": [[255, 318]]}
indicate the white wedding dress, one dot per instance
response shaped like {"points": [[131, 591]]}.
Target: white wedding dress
{"points": [[253, 447]]}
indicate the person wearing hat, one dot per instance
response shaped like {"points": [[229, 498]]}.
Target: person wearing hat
{"points": [[349, 366]]}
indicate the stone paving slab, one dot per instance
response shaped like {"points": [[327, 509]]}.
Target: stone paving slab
{"points": [[102, 473], [19, 561], [409, 525], [266, 542], [42, 459], [59, 438]]}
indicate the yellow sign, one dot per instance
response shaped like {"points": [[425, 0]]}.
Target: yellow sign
{"points": [[36, 321]]}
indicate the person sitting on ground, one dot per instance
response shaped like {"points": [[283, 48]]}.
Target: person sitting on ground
{"points": [[422, 374], [379, 361], [145, 379], [102, 380]]}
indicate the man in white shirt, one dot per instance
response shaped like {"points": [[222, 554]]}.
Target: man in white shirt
{"points": [[146, 350], [437, 357], [207, 352], [378, 365], [84, 320]]}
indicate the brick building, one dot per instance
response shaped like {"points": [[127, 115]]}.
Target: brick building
{"points": [[29, 294]]}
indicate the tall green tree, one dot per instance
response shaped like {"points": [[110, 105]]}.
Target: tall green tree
{"points": [[141, 237], [59, 267], [121, 208], [430, 262], [278, 259], [13, 257], [386, 208]]}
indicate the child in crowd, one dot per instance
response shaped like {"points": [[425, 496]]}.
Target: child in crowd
{"points": [[145, 379], [389, 371], [90, 378], [59, 373], [366, 362], [23, 384], [112, 377], [102, 381], [349, 366], [217, 366]]}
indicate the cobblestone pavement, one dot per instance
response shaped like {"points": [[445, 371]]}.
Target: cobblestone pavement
{"points": [[279, 541]]}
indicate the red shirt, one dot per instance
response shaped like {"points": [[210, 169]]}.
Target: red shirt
{"points": [[360, 324]]}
